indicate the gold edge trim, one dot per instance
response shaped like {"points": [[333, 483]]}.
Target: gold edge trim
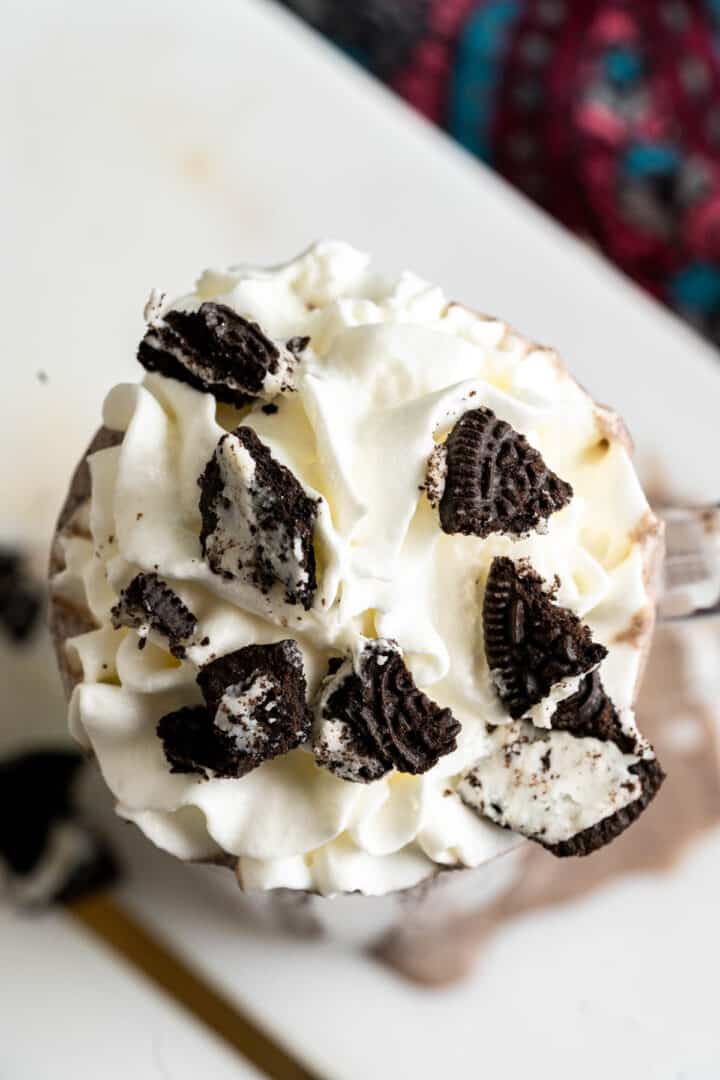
{"points": [[115, 927]]}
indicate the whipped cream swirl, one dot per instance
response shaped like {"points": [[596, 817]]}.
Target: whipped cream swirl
{"points": [[390, 367]]}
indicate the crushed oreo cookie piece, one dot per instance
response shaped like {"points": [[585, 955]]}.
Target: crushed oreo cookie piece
{"points": [[571, 793], [257, 520], [489, 479], [21, 597], [217, 351], [255, 709], [191, 743], [589, 713], [148, 603], [370, 717], [530, 642], [297, 345], [651, 777], [50, 854]]}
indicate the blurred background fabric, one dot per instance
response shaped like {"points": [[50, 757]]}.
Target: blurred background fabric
{"points": [[605, 112]]}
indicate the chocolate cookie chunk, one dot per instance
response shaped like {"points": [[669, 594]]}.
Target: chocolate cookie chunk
{"points": [[51, 855], [531, 643], [371, 718], [651, 777], [494, 480], [217, 351], [192, 744], [570, 793], [589, 713], [255, 709], [297, 345], [148, 603], [257, 520]]}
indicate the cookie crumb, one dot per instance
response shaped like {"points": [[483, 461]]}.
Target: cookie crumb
{"points": [[148, 603]]}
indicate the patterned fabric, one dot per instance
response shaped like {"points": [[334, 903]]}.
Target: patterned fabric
{"points": [[606, 112]]}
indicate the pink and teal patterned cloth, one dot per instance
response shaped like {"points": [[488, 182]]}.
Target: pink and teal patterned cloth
{"points": [[605, 112]]}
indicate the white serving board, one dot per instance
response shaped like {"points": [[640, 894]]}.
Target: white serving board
{"points": [[148, 139], [71, 1011]]}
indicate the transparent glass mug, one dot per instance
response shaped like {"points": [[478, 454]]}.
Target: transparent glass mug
{"points": [[431, 933]]}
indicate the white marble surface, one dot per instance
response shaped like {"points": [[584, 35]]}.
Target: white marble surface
{"points": [[141, 142], [70, 1010]]}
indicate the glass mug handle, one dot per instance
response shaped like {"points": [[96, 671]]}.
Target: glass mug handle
{"points": [[690, 582]]}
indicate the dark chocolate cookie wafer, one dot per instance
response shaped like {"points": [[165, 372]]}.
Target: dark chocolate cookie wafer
{"points": [[148, 602], [589, 713], [531, 643], [371, 718], [192, 744], [217, 351], [651, 776], [257, 520], [255, 709], [495, 481]]}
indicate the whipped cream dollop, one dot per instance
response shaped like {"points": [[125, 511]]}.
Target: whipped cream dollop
{"points": [[368, 376]]}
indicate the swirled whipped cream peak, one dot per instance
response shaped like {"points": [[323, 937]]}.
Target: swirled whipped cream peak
{"points": [[358, 587]]}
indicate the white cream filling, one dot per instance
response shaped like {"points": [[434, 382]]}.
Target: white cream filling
{"points": [[542, 713], [231, 544], [230, 548], [550, 785], [329, 734], [391, 365], [237, 714]]}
